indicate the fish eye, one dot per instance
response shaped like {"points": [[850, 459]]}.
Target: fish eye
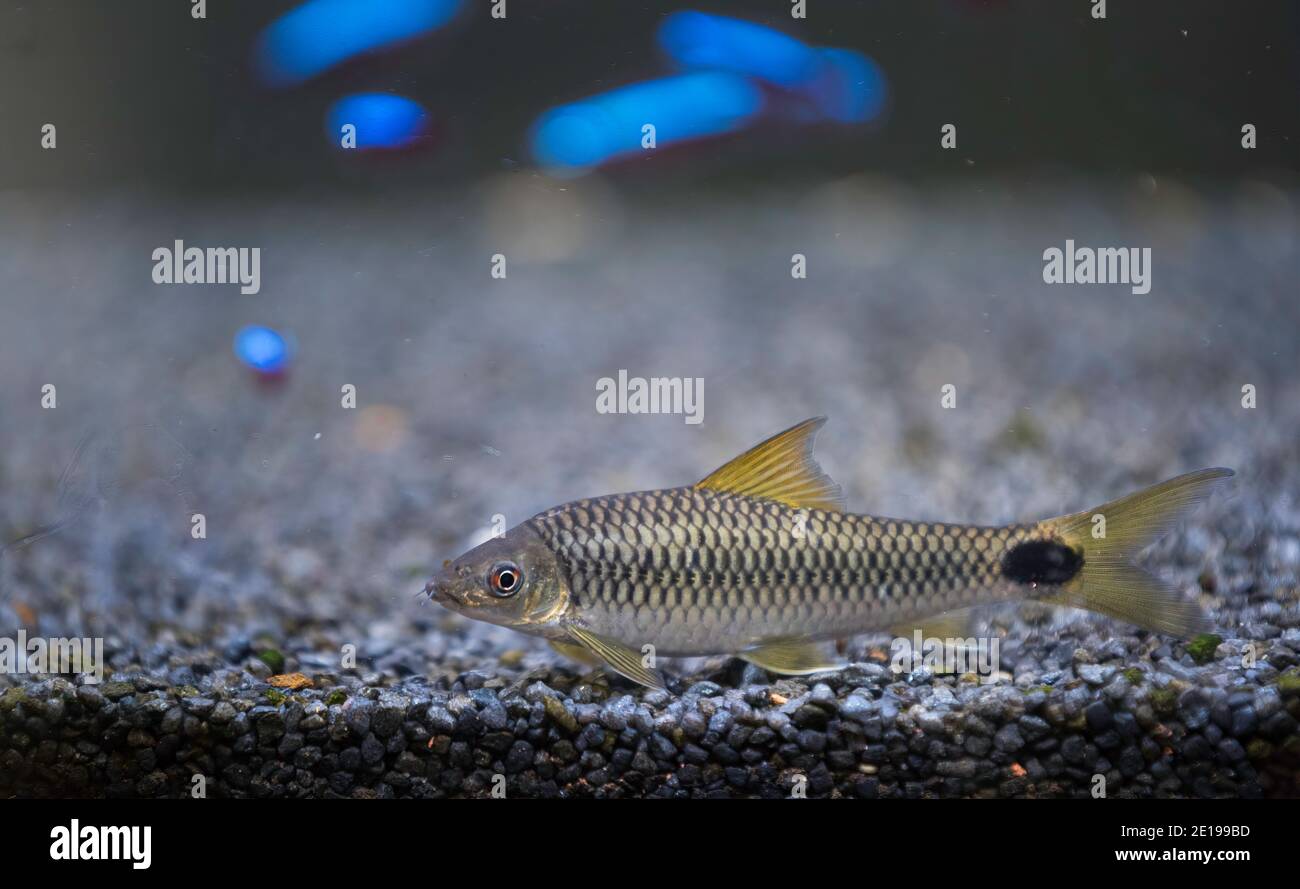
{"points": [[505, 578]]}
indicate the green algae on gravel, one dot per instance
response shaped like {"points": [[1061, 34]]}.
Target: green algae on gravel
{"points": [[559, 714], [115, 690], [1203, 646], [1164, 700], [273, 659], [12, 698], [1259, 749]]}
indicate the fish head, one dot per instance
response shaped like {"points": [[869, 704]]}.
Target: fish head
{"points": [[513, 580]]}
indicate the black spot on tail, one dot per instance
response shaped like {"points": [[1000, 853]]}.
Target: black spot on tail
{"points": [[1041, 562]]}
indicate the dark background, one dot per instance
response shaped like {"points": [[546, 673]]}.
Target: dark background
{"points": [[143, 93]]}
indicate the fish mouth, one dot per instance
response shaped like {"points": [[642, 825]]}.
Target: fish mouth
{"points": [[442, 589], [438, 590]]}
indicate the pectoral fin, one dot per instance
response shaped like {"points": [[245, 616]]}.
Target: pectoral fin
{"points": [[621, 658], [793, 657], [575, 652]]}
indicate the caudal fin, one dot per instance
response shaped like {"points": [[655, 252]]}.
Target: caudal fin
{"points": [[1108, 582]]}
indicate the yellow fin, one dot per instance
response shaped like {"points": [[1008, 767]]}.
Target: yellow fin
{"points": [[1108, 582], [621, 658], [1136, 597], [575, 652], [781, 469], [954, 624], [792, 657]]}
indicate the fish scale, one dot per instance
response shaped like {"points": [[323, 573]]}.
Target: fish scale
{"points": [[691, 569], [760, 559]]}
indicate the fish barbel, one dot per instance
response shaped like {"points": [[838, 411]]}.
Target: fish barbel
{"points": [[760, 560]]}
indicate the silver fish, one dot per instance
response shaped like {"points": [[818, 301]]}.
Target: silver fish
{"points": [[760, 560]]}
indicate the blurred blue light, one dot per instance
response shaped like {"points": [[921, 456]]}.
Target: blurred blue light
{"points": [[840, 84], [322, 33], [262, 349], [850, 88], [608, 125], [382, 120], [697, 40]]}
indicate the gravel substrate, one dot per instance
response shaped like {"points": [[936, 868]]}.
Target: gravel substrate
{"points": [[476, 399], [1166, 728]]}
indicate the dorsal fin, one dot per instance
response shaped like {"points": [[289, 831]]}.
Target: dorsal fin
{"points": [[781, 469]]}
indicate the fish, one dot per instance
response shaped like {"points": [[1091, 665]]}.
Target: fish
{"points": [[760, 560]]}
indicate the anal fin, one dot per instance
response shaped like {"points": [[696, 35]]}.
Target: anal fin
{"points": [[955, 624], [792, 657]]}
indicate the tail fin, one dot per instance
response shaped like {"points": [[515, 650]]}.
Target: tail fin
{"points": [[1108, 581]]}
